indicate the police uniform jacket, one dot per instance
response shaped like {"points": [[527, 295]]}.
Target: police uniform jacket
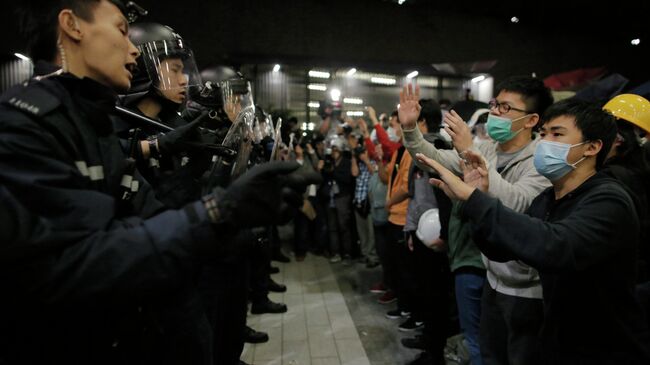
{"points": [[79, 258]]}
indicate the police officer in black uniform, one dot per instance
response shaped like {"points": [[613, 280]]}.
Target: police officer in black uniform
{"points": [[84, 260]]}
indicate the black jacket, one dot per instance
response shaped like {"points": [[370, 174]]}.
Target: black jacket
{"points": [[76, 274], [584, 246]]}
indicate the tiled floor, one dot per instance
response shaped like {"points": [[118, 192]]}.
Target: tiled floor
{"points": [[318, 328]]}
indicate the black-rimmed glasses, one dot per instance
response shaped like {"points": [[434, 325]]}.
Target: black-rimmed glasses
{"points": [[503, 107]]}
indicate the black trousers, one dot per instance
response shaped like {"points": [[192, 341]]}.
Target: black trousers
{"points": [[224, 286], [432, 278], [259, 261], [382, 240], [509, 328], [399, 263]]}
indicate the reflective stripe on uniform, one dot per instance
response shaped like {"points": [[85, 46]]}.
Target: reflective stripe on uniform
{"points": [[96, 172]]}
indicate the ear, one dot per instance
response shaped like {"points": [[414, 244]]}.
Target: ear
{"points": [[593, 147], [532, 122], [69, 25]]}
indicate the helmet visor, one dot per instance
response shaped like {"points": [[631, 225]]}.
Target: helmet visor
{"points": [[171, 67]]}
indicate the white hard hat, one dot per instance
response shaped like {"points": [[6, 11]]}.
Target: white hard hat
{"points": [[429, 227]]}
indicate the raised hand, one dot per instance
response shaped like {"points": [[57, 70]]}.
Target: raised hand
{"points": [[451, 184], [475, 171], [460, 133], [409, 106], [372, 114]]}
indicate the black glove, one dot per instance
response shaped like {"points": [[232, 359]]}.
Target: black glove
{"points": [[267, 194], [171, 142]]}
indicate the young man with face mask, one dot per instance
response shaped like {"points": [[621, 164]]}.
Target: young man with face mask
{"points": [[510, 309], [77, 281], [581, 235]]}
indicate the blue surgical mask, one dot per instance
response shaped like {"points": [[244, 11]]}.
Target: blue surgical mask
{"points": [[550, 159], [500, 128]]}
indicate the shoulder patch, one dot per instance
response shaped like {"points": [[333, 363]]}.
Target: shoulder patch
{"points": [[32, 99]]}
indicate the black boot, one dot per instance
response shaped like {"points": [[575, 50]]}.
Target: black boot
{"points": [[268, 306], [279, 256], [275, 287], [252, 336]]}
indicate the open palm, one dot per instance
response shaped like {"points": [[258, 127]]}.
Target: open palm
{"points": [[409, 106], [475, 172]]}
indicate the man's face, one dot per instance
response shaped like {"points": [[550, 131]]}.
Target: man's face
{"points": [[336, 153], [105, 48], [173, 82], [563, 129], [515, 101]]}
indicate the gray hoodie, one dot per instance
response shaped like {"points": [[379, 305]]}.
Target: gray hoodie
{"points": [[516, 187]]}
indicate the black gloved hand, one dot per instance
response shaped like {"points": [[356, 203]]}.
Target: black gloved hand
{"points": [[171, 142], [267, 194]]}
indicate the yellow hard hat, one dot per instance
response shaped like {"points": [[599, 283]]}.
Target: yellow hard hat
{"points": [[632, 108]]}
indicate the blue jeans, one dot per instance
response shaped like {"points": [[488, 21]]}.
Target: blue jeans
{"points": [[469, 289]]}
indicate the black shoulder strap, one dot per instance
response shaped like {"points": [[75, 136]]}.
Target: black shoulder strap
{"points": [[42, 104], [32, 99]]}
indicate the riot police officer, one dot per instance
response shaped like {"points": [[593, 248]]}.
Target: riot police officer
{"points": [[84, 265]]}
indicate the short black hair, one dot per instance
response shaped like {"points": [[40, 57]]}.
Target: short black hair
{"points": [[594, 123], [535, 94], [39, 19], [431, 114]]}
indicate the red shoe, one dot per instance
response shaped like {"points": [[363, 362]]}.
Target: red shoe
{"points": [[387, 298], [378, 288]]}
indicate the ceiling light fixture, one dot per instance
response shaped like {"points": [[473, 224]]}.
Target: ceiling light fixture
{"points": [[319, 87], [412, 75], [383, 81], [22, 56], [319, 74], [353, 101], [478, 79]]}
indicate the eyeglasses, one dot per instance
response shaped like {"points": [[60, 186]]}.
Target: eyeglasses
{"points": [[503, 107]]}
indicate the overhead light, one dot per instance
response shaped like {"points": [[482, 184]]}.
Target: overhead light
{"points": [[635, 41], [351, 71], [304, 134], [319, 87], [353, 101], [313, 104], [383, 80], [303, 126], [478, 79], [400, 2], [354, 113], [21, 56], [311, 126], [319, 74], [412, 75], [514, 19], [276, 68], [335, 94]]}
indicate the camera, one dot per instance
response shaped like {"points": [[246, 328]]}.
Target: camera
{"points": [[334, 106], [359, 150]]}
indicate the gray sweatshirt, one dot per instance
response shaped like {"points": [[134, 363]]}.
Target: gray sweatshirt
{"points": [[516, 186]]}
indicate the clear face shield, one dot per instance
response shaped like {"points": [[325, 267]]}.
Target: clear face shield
{"points": [[239, 106], [171, 67]]}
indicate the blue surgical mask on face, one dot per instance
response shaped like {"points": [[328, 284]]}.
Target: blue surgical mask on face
{"points": [[500, 128], [550, 159]]}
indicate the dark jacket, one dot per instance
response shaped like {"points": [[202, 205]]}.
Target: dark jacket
{"points": [[584, 246], [77, 277]]}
